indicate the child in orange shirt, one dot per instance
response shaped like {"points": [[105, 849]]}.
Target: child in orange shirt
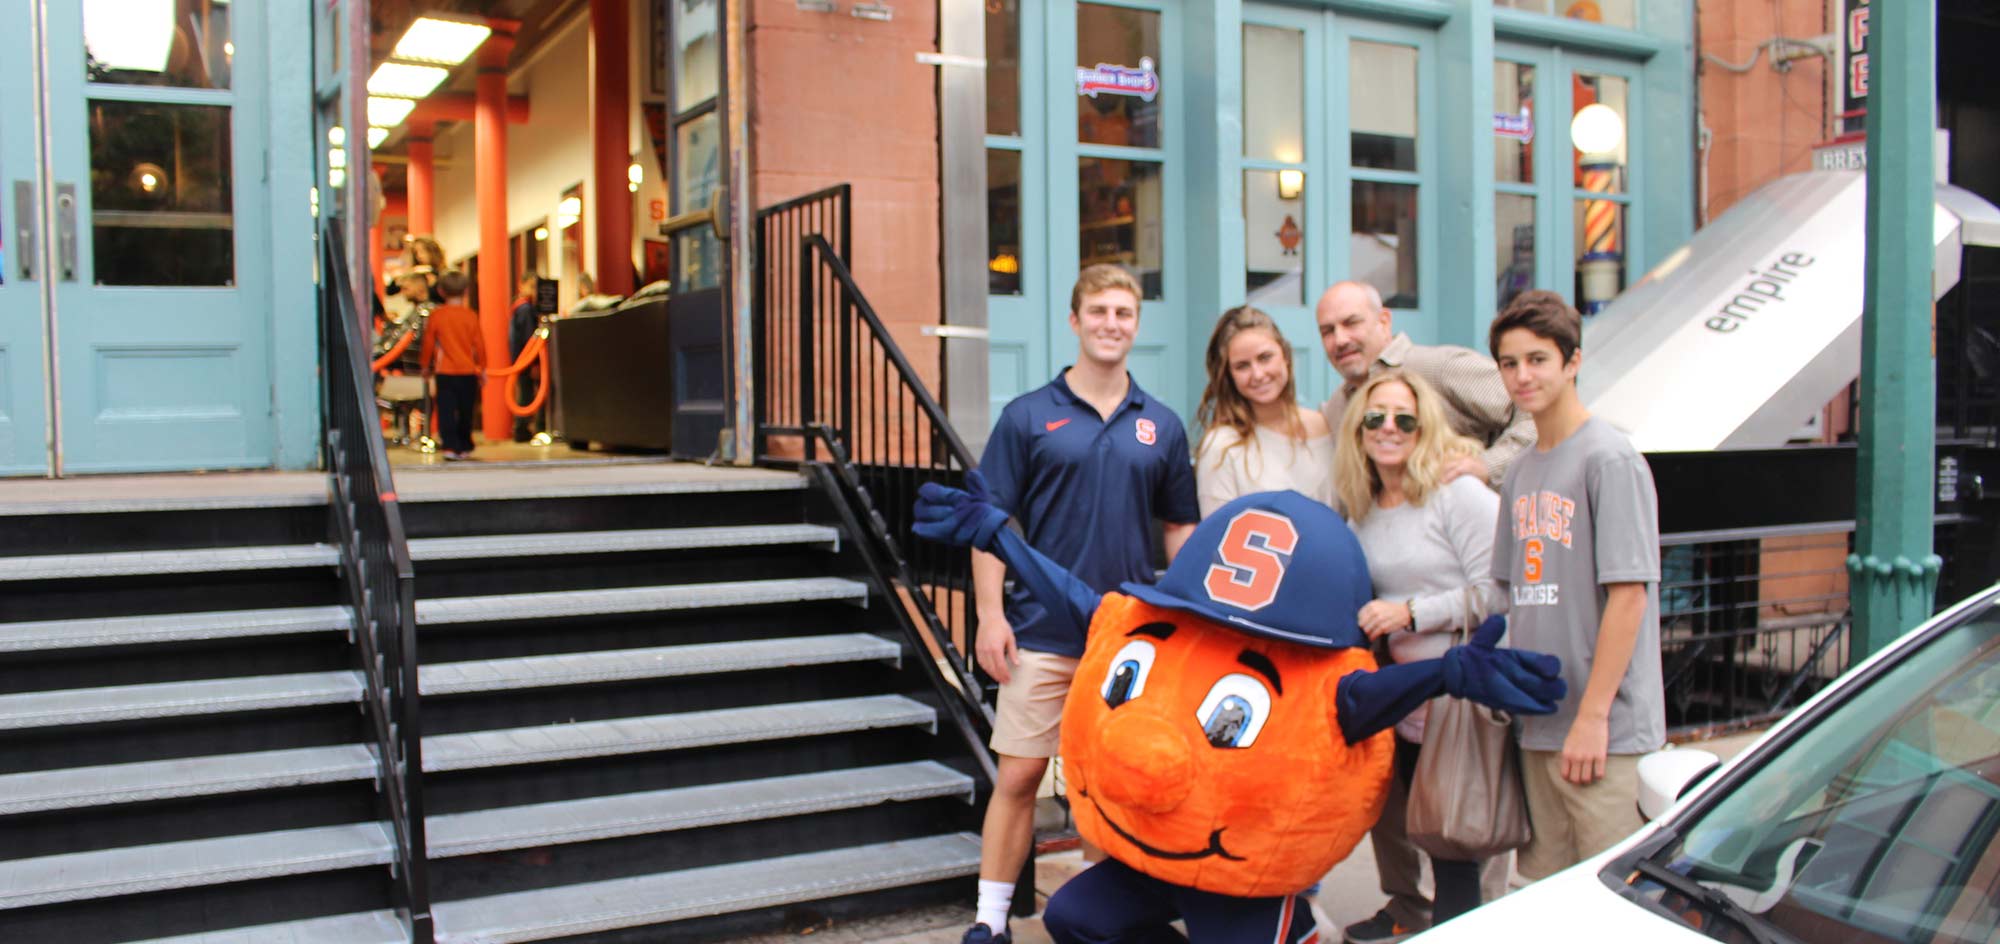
{"points": [[454, 357]]}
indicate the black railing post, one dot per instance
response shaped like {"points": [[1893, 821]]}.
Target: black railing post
{"points": [[808, 351]]}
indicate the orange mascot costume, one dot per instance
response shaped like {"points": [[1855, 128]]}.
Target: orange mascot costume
{"points": [[1226, 737]]}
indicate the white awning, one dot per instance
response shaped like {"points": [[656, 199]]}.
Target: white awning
{"points": [[1745, 333]]}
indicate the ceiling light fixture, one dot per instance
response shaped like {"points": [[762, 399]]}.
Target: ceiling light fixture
{"points": [[404, 80], [449, 42], [376, 136], [388, 112]]}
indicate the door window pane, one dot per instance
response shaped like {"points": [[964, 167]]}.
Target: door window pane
{"points": [[1120, 214], [178, 43], [697, 173], [1600, 255], [161, 194], [1382, 105], [1513, 244], [1383, 241], [1513, 122], [1117, 76], [1274, 111], [1274, 221], [1003, 67], [1532, 6], [1597, 132], [1003, 222], [697, 68], [1620, 13]]}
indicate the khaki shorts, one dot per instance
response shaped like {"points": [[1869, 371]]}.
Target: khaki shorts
{"points": [[1573, 823], [1028, 722]]}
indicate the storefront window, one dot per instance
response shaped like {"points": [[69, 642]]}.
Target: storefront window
{"points": [[161, 193], [1118, 98], [1274, 119], [1274, 237], [1003, 67], [1620, 13], [697, 67], [182, 45], [1513, 244], [1513, 122], [1382, 105], [1600, 253], [698, 173], [1597, 132], [1122, 219], [1383, 240], [1003, 222]]}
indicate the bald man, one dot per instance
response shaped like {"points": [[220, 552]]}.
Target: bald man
{"points": [[1356, 330]]}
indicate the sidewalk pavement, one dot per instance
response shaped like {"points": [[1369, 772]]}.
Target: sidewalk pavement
{"points": [[1348, 894]]}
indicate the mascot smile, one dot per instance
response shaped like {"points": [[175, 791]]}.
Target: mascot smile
{"points": [[1226, 738]]}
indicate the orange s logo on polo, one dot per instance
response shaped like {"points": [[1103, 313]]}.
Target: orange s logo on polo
{"points": [[1254, 554], [1145, 431]]}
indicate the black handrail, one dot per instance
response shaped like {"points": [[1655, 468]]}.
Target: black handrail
{"points": [[380, 582], [833, 385]]}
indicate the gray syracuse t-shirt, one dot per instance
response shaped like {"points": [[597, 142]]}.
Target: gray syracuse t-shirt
{"points": [[1573, 519]]}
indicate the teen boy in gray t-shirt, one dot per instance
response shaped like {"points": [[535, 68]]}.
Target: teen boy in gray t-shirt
{"points": [[1577, 548]]}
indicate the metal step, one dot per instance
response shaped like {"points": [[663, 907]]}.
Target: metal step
{"points": [[112, 784], [135, 870], [520, 606], [658, 811], [557, 742], [178, 561], [569, 910], [609, 542], [369, 927], [178, 699], [173, 627], [578, 668]]}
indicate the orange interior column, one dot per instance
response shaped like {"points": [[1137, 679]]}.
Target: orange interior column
{"points": [[489, 134], [422, 177], [611, 149]]}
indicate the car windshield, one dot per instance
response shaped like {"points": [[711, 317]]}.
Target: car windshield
{"points": [[1876, 824]]}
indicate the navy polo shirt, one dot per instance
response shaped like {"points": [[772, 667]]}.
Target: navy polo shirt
{"points": [[1086, 490]]}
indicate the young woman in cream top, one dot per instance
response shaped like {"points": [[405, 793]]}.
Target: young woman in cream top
{"points": [[1258, 438]]}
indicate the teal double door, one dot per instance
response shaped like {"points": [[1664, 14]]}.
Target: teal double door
{"points": [[135, 263]]}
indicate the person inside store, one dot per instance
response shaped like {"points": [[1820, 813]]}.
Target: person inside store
{"points": [[521, 326], [454, 359], [1429, 546], [1258, 438], [422, 256], [1357, 331]]}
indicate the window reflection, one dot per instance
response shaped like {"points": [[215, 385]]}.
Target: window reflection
{"points": [[1513, 244], [1383, 240], [1513, 122], [161, 194], [1274, 94], [697, 69], [1598, 134], [1118, 76], [178, 43], [1274, 221], [1003, 222], [1003, 67], [1619, 13], [1600, 258], [1382, 105], [1120, 212], [697, 254]]}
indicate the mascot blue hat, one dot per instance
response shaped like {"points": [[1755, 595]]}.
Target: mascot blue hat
{"points": [[1232, 571]]}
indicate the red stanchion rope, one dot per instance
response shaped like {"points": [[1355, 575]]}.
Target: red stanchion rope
{"points": [[402, 344], [533, 351]]}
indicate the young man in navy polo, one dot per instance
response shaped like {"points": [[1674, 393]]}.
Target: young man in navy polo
{"points": [[1085, 464]]}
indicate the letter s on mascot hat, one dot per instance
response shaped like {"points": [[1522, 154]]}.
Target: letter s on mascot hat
{"points": [[1200, 740]]}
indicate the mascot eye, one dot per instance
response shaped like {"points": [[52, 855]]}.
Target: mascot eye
{"points": [[1234, 711], [1127, 678]]}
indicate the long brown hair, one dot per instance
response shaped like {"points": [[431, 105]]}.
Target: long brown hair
{"points": [[1356, 481], [1222, 405]]}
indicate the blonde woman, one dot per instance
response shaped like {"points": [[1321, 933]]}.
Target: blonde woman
{"points": [[1430, 549], [1258, 438]]}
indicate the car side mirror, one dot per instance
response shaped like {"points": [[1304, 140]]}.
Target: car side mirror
{"points": [[1665, 775]]}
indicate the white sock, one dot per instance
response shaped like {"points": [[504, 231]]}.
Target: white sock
{"points": [[995, 899]]}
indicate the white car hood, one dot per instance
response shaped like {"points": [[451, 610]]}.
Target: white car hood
{"points": [[1571, 905]]}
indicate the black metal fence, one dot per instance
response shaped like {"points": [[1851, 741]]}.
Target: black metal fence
{"points": [[375, 567], [833, 386]]}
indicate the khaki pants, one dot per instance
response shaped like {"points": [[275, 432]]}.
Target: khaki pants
{"points": [[1573, 823], [1028, 720]]}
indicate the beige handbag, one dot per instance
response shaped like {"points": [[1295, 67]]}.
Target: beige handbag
{"points": [[1466, 801]]}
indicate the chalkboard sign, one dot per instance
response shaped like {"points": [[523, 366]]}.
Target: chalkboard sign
{"points": [[545, 295]]}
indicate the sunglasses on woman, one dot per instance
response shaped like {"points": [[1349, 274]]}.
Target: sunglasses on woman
{"points": [[1373, 420]]}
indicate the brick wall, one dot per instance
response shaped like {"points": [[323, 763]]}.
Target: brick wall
{"points": [[1764, 122]]}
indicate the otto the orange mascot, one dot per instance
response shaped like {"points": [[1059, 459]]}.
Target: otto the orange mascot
{"points": [[1226, 736]]}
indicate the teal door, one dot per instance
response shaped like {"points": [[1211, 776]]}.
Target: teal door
{"points": [[146, 329]]}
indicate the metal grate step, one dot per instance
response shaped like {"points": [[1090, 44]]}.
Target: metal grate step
{"points": [[112, 784], [179, 561], [658, 811], [138, 869], [558, 742], [607, 542], [452, 678], [520, 606], [177, 699], [369, 927], [692, 893], [172, 627]]}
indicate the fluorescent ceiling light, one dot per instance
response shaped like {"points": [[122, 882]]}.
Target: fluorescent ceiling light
{"points": [[405, 81], [135, 35], [445, 41], [388, 112], [376, 136]]}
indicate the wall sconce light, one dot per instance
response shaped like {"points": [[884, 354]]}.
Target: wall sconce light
{"points": [[634, 176], [1291, 183], [149, 179], [541, 234]]}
